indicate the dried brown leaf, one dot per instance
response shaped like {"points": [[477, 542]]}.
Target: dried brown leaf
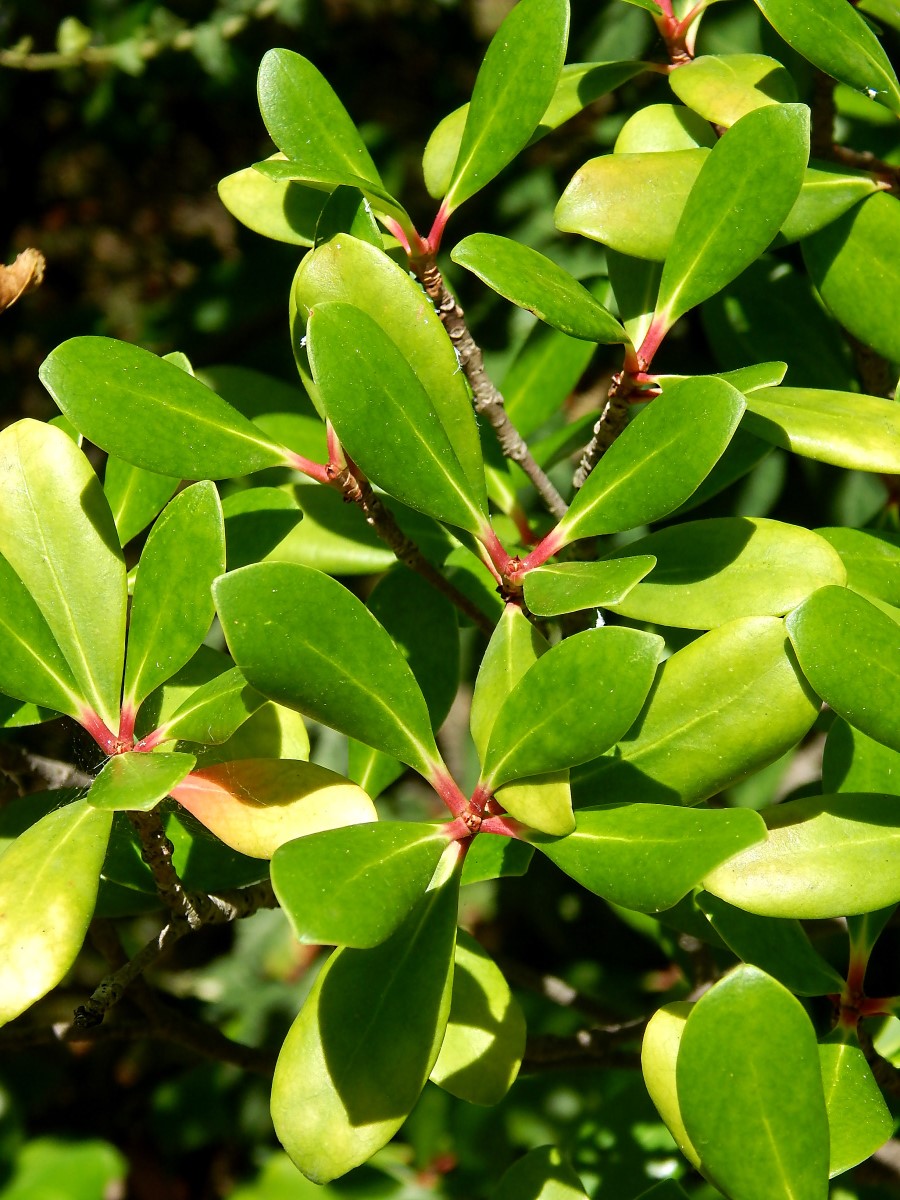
{"points": [[25, 274]]}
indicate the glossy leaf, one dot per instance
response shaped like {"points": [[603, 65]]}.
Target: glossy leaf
{"points": [[545, 724], [357, 1057], [827, 194], [861, 433], [152, 414], [853, 762], [485, 1038], [137, 782], [648, 856], [710, 572], [656, 128], [744, 192], [659, 1055], [256, 805], [567, 587], [332, 660], [172, 606], [635, 285], [773, 311], [272, 731], [534, 282], [357, 273], [728, 704], [257, 521], [777, 946], [825, 856], [542, 1174], [859, 1121], [58, 535], [135, 496], [348, 211], [354, 886], [725, 87], [750, 1090], [278, 209], [307, 121], [608, 199], [32, 666], [515, 646], [359, 370], [515, 85], [687, 429], [850, 652], [309, 175], [838, 41], [213, 712], [282, 411], [579, 84], [872, 559], [544, 803], [48, 886], [855, 264], [495, 857]]}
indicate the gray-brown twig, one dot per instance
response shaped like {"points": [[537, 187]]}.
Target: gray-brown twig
{"points": [[486, 399]]}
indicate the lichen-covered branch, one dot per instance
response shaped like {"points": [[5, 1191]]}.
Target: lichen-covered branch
{"points": [[486, 399]]}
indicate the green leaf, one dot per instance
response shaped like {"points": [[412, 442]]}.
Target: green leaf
{"points": [[827, 193], [569, 587], [307, 121], [515, 645], [659, 1055], [543, 374], [257, 522], [515, 85], [750, 1090], [48, 886], [485, 1039], [135, 496], [255, 805], [773, 311], [648, 856], [825, 856], [58, 535], [350, 270], [728, 704], [283, 411], [544, 803], [357, 1057], [212, 713], [301, 172], [52, 1168], [360, 370], [137, 782], [843, 428], [348, 211], [778, 946], [579, 85], [713, 571], [853, 762], [635, 285], [859, 1121], [661, 127], [608, 199], [152, 414], [850, 652], [744, 192], [534, 282], [838, 41], [725, 87], [872, 559], [659, 460], [855, 264], [272, 731], [542, 1174], [354, 886], [32, 666], [172, 606], [495, 857], [545, 725], [331, 660], [278, 209]]}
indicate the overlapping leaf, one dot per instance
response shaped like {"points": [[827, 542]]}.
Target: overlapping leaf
{"points": [[137, 782], [303, 640]]}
